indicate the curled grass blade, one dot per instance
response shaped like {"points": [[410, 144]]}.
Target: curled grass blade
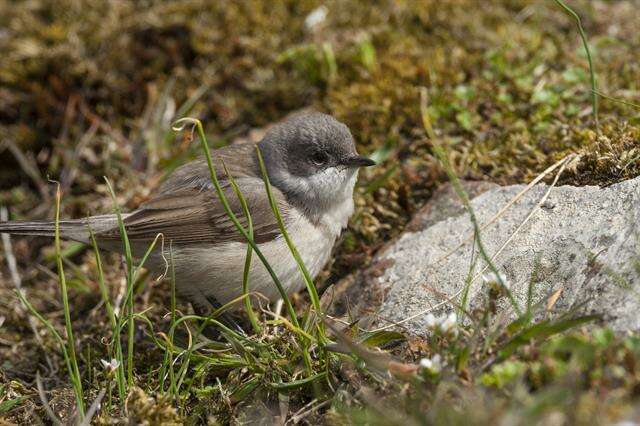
{"points": [[179, 125]]}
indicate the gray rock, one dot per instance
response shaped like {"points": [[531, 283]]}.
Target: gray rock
{"points": [[582, 240]]}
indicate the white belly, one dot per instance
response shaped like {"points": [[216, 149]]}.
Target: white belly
{"points": [[218, 270]]}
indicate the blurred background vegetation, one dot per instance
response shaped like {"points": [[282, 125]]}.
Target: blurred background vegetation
{"points": [[89, 89]]}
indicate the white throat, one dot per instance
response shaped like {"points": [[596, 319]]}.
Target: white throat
{"points": [[339, 208], [326, 198]]}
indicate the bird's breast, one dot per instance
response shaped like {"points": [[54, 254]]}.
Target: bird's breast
{"points": [[314, 242], [218, 270]]}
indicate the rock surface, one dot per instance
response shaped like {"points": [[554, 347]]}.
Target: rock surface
{"points": [[582, 240]]}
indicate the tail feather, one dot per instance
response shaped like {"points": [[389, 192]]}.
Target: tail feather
{"points": [[69, 229]]}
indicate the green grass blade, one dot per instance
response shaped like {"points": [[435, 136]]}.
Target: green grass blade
{"points": [[592, 73], [128, 307], [311, 288], [247, 263], [298, 383], [54, 333], [167, 363], [178, 125], [464, 299], [75, 371], [462, 194], [120, 379], [542, 331]]}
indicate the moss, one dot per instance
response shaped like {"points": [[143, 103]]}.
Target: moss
{"points": [[143, 409]]}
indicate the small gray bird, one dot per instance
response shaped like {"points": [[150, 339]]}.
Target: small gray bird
{"points": [[312, 164]]}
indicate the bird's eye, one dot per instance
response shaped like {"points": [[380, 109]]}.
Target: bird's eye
{"points": [[319, 158]]}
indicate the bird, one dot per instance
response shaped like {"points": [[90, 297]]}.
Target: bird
{"points": [[312, 165]]}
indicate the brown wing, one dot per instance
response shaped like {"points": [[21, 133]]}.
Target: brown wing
{"points": [[187, 209], [241, 161]]}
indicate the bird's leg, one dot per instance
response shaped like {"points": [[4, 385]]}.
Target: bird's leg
{"points": [[208, 330], [213, 305], [225, 317]]}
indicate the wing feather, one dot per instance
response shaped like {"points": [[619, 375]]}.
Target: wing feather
{"points": [[187, 210]]}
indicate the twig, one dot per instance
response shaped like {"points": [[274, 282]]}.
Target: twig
{"points": [[620, 101], [45, 402], [105, 126], [531, 212], [300, 414], [122, 291], [93, 409], [283, 405], [27, 165], [69, 174]]}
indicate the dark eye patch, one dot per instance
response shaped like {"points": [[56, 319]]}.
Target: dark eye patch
{"points": [[319, 158]]}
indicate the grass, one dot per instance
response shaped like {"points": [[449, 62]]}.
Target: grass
{"points": [[247, 264], [223, 199], [308, 280], [128, 306], [67, 346], [72, 363], [114, 350], [506, 97], [464, 198], [592, 73]]}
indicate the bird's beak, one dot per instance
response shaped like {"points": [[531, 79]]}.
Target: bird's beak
{"points": [[358, 161]]}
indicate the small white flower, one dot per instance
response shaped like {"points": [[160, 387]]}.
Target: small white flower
{"points": [[449, 324], [316, 17], [446, 324], [110, 366], [426, 363], [432, 365], [431, 321]]}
